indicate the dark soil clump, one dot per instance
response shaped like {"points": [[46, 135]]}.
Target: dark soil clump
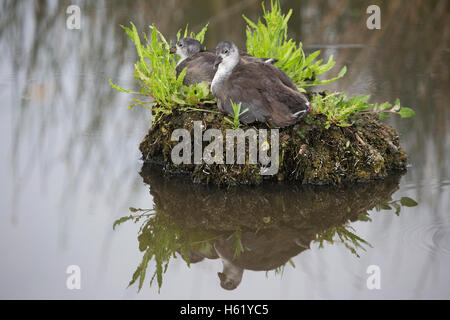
{"points": [[308, 152]]}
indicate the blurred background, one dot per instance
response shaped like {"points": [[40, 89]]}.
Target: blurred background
{"points": [[70, 161]]}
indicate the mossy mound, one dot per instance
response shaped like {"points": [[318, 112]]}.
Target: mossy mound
{"points": [[308, 152]]}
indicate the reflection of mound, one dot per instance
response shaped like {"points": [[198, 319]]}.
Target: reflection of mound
{"points": [[254, 228], [306, 208], [276, 222]]}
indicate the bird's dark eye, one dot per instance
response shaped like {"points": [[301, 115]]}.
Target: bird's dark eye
{"points": [[225, 51], [179, 44]]}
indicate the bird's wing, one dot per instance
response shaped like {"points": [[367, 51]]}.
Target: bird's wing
{"points": [[261, 90], [283, 77], [200, 67], [239, 88]]}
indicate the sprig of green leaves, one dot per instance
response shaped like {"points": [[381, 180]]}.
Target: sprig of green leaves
{"points": [[268, 38]]}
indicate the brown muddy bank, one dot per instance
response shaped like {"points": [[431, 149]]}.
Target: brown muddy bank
{"points": [[308, 152]]}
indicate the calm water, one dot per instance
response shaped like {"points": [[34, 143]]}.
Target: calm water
{"points": [[70, 162]]}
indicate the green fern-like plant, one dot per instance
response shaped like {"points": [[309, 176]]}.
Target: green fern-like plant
{"points": [[157, 77], [163, 90], [199, 36], [338, 108], [268, 38], [235, 122]]}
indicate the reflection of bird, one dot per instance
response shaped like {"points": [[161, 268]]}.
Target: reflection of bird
{"points": [[264, 251], [199, 62], [231, 275], [263, 89], [195, 256]]}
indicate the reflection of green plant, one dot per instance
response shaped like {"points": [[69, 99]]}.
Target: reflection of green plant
{"points": [[270, 39], [237, 244], [144, 213], [160, 238], [338, 108], [156, 74], [235, 122], [280, 270], [397, 205], [345, 235]]}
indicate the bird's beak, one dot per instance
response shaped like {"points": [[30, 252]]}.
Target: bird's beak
{"points": [[222, 276], [217, 61], [173, 50]]}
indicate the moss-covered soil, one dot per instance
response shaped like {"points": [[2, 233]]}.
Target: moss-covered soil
{"points": [[309, 153]]}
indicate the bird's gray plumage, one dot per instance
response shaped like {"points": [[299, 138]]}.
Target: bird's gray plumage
{"points": [[263, 89], [199, 63]]}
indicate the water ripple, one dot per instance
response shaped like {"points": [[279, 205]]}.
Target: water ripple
{"points": [[441, 184], [434, 238]]}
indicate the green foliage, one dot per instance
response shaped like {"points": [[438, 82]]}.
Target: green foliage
{"points": [[338, 108], [199, 36], [235, 123], [269, 38], [163, 90], [157, 78]]}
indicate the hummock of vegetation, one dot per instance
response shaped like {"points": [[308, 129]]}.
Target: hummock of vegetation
{"points": [[188, 221], [309, 152], [342, 138]]}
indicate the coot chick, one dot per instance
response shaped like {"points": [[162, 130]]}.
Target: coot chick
{"points": [[263, 89]]}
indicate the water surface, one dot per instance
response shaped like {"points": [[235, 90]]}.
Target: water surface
{"points": [[70, 162]]}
